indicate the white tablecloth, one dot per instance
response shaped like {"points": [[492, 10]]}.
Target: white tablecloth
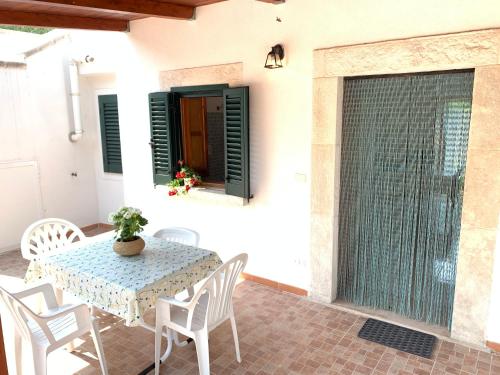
{"points": [[125, 286]]}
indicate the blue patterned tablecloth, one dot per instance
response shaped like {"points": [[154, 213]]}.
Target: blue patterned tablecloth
{"points": [[125, 286]]}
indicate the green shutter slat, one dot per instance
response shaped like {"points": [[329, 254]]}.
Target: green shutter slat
{"points": [[236, 139], [110, 133], [161, 122]]}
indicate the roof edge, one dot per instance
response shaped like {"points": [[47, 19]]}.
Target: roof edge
{"points": [[12, 64], [53, 39]]}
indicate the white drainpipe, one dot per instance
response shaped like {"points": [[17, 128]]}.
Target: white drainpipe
{"points": [[74, 92]]}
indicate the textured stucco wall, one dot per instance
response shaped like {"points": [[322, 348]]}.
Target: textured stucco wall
{"points": [[325, 185], [481, 206], [479, 50], [441, 52], [231, 74], [35, 120]]}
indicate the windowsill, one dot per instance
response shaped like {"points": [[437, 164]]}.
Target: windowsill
{"points": [[107, 176], [216, 194]]}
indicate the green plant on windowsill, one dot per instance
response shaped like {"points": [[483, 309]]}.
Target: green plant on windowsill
{"points": [[184, 180]]}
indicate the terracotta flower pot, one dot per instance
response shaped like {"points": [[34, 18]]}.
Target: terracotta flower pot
{"points": [[129, 248]]}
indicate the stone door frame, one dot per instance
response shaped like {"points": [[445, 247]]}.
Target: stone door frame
{"points": [[479, 50]]}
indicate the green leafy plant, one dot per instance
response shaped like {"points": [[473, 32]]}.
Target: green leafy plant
{"points": [[27, 29], [184, 180], [128, 222]]}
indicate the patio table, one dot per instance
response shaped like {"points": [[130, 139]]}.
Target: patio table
{"points": [[125, 286]]}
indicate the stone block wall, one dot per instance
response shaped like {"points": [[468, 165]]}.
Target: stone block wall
{"points": [[481, 206]]}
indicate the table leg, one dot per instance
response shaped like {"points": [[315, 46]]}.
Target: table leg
{"points": [[181, 343], [171, 337]]}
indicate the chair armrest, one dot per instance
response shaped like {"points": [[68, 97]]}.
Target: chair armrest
{"points": [[176, 302], [65, 310], [82, 319], [189, 305], [45, 289]]}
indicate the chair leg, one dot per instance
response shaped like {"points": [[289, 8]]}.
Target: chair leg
{"points": [[59, 296], [70, 346], [18, 348], [235, 336], [39, 361], [96, 337], [158, 336], [201, 341]]}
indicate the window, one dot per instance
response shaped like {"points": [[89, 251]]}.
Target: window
{"points": [[207, 126], [202, 131], [110, 133]]}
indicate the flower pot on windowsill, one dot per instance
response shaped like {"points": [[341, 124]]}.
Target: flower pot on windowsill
{"points": [[129, 248]]}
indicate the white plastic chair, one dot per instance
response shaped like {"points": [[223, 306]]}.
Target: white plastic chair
{"points": [[176, 234], [46, 332], [48, 236], [198, 316]]}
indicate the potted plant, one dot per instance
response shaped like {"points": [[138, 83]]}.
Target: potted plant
{"points": [[128, 222], [184, 180]]}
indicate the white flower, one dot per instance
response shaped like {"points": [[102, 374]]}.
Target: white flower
{"points": [[111, 217], [127, 215]]}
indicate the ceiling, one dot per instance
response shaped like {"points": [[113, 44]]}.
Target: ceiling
{"points": [[94, 14]]}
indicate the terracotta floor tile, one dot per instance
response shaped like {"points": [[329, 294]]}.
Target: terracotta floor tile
{"points": [[280, 334]]}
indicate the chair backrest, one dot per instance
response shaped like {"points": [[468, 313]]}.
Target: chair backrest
{"points": [[176, 234], [48, 236], [220, 287], [19, 313]]}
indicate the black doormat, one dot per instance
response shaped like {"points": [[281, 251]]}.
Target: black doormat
{"points": [[400, 338]]}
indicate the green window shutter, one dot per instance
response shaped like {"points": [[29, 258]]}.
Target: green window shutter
{"points": [[161, 119], [236, 139], [110, 133]]}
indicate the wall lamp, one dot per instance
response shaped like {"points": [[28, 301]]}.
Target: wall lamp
{"points": [[274, 57]]}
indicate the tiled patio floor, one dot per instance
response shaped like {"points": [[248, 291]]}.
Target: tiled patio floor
{"points": [[279, 334]]}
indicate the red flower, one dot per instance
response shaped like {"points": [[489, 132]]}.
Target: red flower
{"points": [[188, 187], [182, 175], [193, 182], [178, 175], [172, 192]]}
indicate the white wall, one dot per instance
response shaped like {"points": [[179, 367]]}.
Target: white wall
{"points": [[109, 185], [20, 201], [274, 227], [73, 198], [35, 120]]}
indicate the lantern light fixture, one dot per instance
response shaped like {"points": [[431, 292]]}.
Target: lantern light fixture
{"points": [[275, 57]]}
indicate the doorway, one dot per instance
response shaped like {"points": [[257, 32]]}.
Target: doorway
{"points": [[404, 145]]}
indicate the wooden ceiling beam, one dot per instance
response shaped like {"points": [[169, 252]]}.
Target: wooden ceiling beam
{"points": [[62, 21], [154, 8]]}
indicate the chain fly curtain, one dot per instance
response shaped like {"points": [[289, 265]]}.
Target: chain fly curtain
{"points": [[404, 145]]}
